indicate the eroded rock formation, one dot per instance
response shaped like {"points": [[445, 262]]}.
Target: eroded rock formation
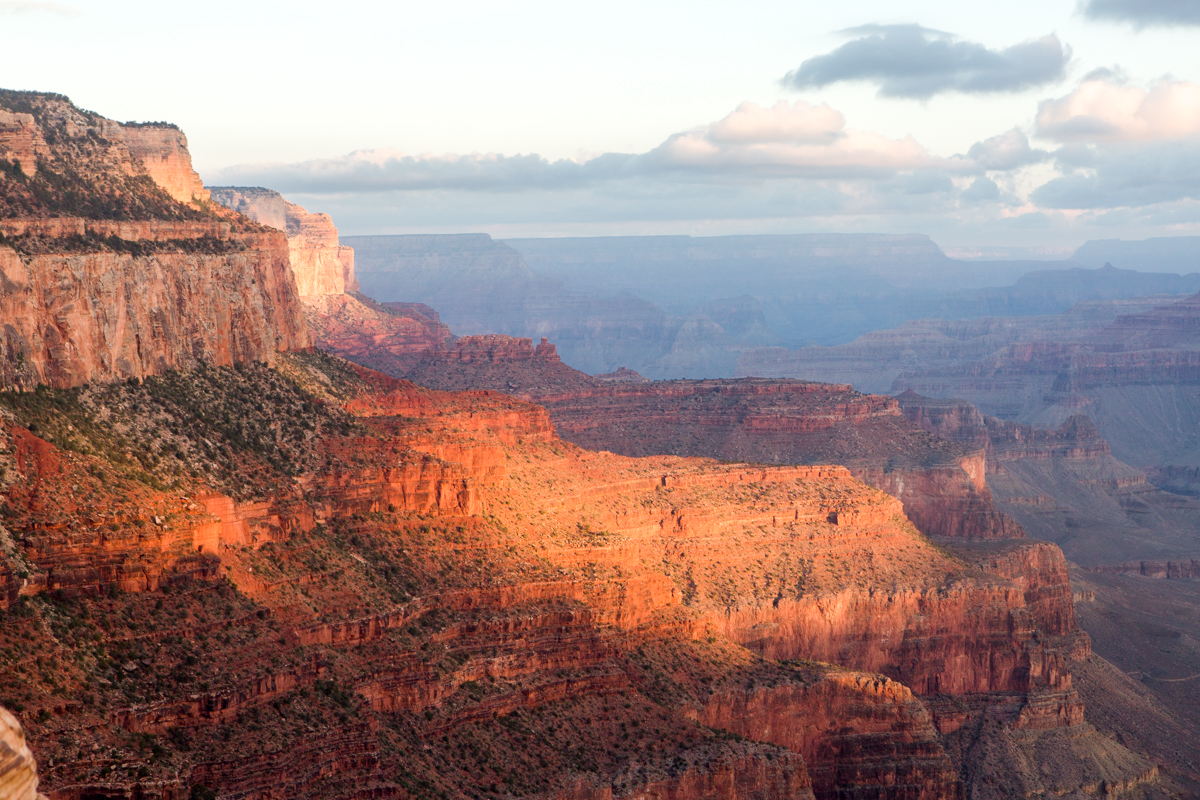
{"points": [[389, 337], [107, 275], [321, 264], [942, 484], [347, 582], [1065, 485], [18, 772]]}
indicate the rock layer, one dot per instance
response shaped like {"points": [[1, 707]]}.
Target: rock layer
{"points": [[437, 589], [321, 264], [1065, 485], [115, 278], [18, 773], [942, 484]]}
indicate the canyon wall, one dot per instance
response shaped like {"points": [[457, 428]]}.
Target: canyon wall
{"points": [[1065, 485], [162, 148], [117, 278], [440, 575], [321, 264], [341, 319], [942, 484]]}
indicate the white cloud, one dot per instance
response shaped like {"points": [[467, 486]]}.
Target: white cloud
{"points": [[795, 139], [1102, 110], [787, 140], [15, 7]]}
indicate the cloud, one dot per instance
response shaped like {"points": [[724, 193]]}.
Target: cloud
{"points": [[917, 62], [1103, 110], [391, 170], [1143, 13], [15, 7], [787, 140], [1006, 151], [1125, 174], [796, 139], [982, 189]]}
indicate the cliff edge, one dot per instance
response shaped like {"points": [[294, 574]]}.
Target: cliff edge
{"points": [[106, 273]]}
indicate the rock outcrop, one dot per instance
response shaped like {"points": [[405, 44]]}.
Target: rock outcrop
{"points": [[107, 275], [942, 484], [342, 320], [163, 150], [371, 334], [18, 772]]}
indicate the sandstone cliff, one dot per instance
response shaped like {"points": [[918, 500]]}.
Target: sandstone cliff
{"points": [[162, 148], [1065, 485], [341, 319], [321, 264], [106, 274]]}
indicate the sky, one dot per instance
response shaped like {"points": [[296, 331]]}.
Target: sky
{"points": [[1024, 127]]}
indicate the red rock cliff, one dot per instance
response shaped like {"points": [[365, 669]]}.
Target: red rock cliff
{"points": [[116, 278]]}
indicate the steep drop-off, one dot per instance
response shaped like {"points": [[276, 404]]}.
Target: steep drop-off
{"points": [[105, 274], [316, 581], [341, 319], [321, 264], [1064, 485]]}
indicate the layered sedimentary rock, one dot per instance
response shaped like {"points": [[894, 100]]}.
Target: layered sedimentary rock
{"points": [[505, 363], [1065, 485], [874, 361], [942, 484], [433, 592], [107, 276], [388, 337], [18, 772], [321, 264], [483, 286], [163, 150], [368, 333]]}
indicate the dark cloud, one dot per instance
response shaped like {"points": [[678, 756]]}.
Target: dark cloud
{"points": [[1006, 151], [1128, 174], [1143, 13], [982, 189], [917, 62], [382, 171]]}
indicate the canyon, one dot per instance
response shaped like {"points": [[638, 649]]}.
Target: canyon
{"points": [[1127, 365], [390, 337], [941, 483], [418, 592], [233, 565], [695, 307]]}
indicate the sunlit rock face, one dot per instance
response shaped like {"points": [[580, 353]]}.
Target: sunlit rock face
{"points": [[18, 772], [112, 264], [322, 266]]}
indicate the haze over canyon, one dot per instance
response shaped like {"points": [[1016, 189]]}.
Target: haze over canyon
{"points": [[732, 488]]}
